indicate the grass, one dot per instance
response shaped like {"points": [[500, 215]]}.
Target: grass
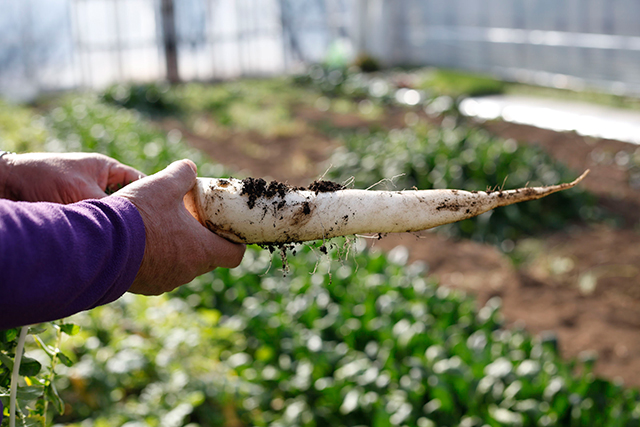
{"points": [[457, 84]]}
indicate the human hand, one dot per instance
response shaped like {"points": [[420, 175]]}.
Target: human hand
{"points": [[61, 178], [178, 248]]}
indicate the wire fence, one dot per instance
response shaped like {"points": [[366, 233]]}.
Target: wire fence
{"points": [[50, 45], [564, 43]]}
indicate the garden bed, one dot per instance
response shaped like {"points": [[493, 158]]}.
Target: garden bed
{"points": [[581, 283], [349, 335]]}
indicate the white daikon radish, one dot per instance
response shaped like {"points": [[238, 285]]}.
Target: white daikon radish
{"points": [[253, 211]]}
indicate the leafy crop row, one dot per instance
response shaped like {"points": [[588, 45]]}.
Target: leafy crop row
{"points": [[263, 106], [456, 156], [356, 338], [376, 343], [386, 86], [20, 129]]}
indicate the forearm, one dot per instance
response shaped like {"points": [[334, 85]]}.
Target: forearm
{"points": [[56, 260]]}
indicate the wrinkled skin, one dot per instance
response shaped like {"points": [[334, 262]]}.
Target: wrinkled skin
{"points": [[62, 178]]}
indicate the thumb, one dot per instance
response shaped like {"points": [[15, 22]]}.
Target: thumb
{"points": [[177, 178]]}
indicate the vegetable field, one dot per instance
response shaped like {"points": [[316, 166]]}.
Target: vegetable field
{"points": [[525, 316]]}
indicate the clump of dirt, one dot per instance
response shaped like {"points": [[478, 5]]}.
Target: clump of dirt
{"points": [[322, 186], [254, 188], [258, 187], [278, 188]]}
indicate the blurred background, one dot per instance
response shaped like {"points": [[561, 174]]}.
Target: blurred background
{"points": [[62, 44], [528, 315]]}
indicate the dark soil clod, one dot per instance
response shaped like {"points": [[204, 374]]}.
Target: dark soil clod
{"points": [[278, 188], [321, 186], [258, 187], [255, 188]]}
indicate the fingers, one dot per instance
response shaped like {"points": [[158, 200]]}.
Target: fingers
{"points": [[221, 252], [121, 175], [178, 247]]}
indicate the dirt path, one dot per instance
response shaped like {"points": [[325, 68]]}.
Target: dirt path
{"points": [[582, 283]]}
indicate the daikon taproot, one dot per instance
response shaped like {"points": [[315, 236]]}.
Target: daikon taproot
{"points": [[254, 211]]}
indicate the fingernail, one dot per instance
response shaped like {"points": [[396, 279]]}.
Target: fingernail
{"points": [[193, 165]]}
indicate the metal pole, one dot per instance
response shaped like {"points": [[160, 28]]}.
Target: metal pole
{"points": [[26, 38], [170, 41], [240, 38], [283, 35], [209, 40], [116, 19], [76, 53], [361, 24]]}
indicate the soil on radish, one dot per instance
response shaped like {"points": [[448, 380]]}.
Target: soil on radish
{"points": [[258, 187], [322, 186], [255, 188]]}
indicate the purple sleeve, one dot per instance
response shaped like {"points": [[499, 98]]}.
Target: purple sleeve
{"points": [[57, 260]]}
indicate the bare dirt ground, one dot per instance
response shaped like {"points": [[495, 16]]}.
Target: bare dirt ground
{"points": [[582, 283]]}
